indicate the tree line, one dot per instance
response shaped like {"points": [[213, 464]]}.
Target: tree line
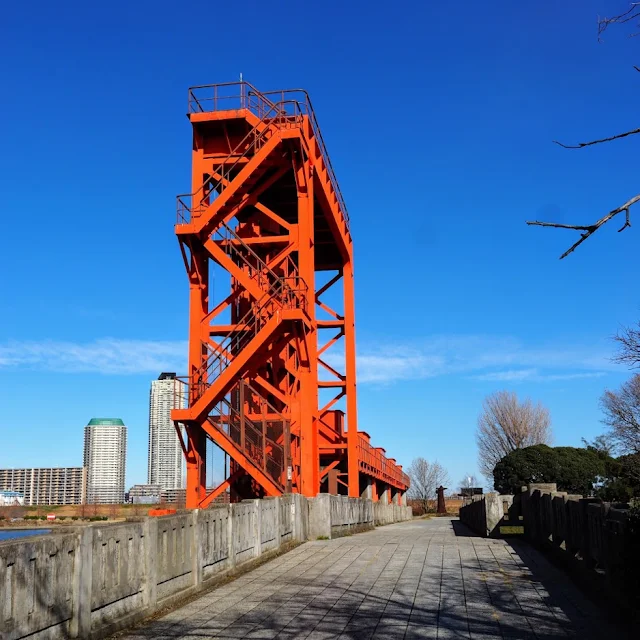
{"points": [[514, 440]]}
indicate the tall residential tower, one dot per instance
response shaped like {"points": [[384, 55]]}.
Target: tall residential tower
{"points": [[105, 450], [165, 453]]}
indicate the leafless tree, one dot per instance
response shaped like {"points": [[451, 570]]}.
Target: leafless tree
{"points": [[628, 340], [627, 18], [622, 415], [113, 510], [468, 481], [505, 425], [600, 444], [426, 477]]}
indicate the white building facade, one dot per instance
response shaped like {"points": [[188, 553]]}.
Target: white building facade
{"points": [[165, 465], [105, 452], [11, 499]]}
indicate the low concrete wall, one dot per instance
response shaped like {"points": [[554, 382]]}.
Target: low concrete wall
{"points": [[89, 582], [484, 514], [390, 513], [335, 516]]}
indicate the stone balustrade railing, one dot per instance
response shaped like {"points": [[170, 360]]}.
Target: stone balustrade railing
{"points": [[589, 536], [87, 582]]}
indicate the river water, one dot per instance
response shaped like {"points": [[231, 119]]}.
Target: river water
{"points": [[6, 534]]}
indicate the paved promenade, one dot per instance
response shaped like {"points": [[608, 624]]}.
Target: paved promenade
{"points": [[421, 579]]}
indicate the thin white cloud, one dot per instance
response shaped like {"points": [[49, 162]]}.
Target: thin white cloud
{"points": [[512, 375], [489, 358], [482, 358], [390, 366], [108, 356], [533, 375]]}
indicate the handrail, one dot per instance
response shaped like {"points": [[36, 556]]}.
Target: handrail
{"points": [[375, 459], [323, 147], [251, 437], [281, 291], [211, 186], [284, 99], [247, 90], [228, 246]]}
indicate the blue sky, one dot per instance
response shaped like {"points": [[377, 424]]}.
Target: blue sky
{"points": [[439, 121]]}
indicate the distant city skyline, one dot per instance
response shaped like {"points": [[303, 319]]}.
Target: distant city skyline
{"points": [[102, 476]]}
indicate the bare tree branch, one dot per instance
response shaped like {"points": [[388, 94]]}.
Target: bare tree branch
{"points": [[590, 229], [581, 145], [631, 14]]}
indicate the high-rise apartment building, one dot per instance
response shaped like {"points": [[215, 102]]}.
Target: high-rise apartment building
{"points": [[53, 485], [165, 454], [105, 450]]}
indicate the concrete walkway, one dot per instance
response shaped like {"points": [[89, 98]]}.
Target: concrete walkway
{"points": [[421, 579]]}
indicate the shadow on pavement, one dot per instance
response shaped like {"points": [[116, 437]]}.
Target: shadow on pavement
{"points": [[477, 589], [462, 530]]}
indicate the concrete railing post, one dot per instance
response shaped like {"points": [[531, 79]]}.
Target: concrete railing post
{"points": [[320, 516], [300, 515], [257, 526], [493, 513], [278, 520], [80, 625], [231, 543], [196, 548], [150, 546]]}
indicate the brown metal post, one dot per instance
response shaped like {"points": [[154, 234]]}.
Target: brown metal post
{"points": [[441, 504]]}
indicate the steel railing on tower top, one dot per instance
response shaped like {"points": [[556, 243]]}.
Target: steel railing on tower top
{"points": [[230, 96]]}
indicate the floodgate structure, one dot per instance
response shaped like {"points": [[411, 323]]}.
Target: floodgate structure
{"points": [[272, 362]]}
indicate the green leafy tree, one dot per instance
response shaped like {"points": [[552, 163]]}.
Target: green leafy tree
{"points": [[622, 481], [574, 470], [522, 466]]}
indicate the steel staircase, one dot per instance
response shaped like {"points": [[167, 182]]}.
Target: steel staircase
{"points": [[218, 381]]}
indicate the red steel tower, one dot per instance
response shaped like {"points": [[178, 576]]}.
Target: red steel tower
{"points": [[272, 364]]}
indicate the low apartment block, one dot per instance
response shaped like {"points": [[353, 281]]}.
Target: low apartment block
{"points": [[46, 486]]}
